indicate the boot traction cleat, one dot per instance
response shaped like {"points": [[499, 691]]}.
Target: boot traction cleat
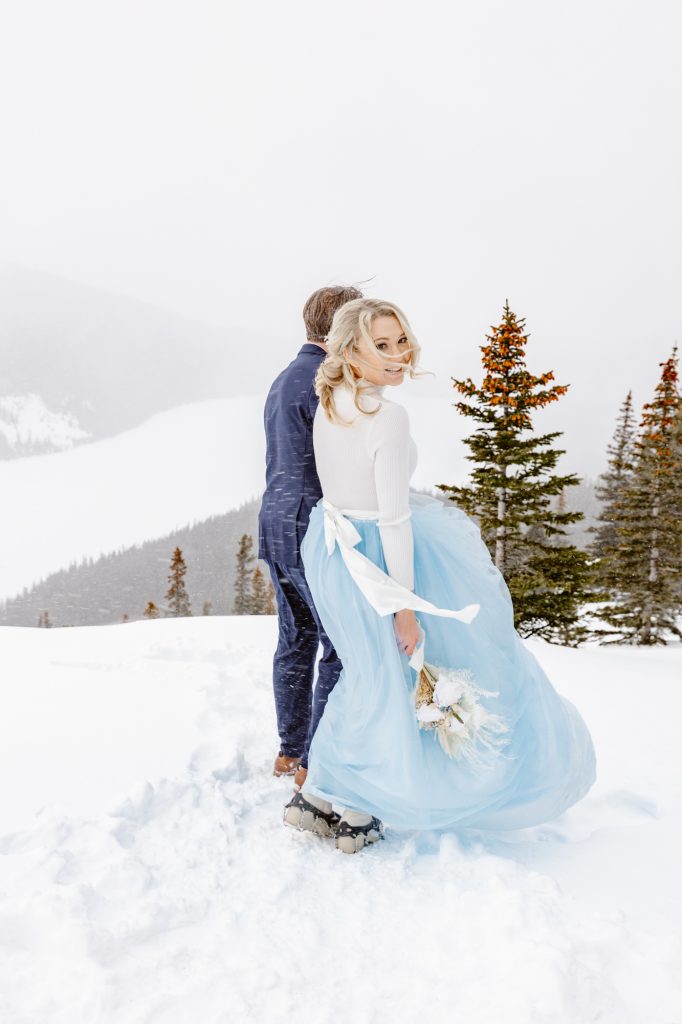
{"points": [[352, 838], [305, 817]]}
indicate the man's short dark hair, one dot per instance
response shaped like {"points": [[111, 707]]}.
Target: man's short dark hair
{"points": [[319, 310]]}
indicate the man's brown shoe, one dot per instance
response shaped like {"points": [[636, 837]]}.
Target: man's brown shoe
{"points": [[285, 765], [300, 777]]}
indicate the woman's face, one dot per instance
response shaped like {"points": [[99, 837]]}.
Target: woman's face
{"points": [[390, 339]]}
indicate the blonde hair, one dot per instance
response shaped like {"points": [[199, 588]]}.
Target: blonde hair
{"points": [[352, 322]]}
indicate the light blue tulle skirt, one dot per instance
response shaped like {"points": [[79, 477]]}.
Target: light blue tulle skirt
{"points": [[369, 754]]}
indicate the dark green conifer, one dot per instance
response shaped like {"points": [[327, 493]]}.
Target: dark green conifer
{"points": [[646, 562], [177, 598], [259, 595], [610, 490], [513, 484], [243, 597]]}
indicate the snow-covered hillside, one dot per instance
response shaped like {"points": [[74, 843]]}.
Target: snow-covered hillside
{"points": [[176, 468], [27, 425], [146, 878], [105, 362]]}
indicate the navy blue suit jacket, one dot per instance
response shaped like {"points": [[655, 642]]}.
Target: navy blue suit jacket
{"points": [[292, 486]]}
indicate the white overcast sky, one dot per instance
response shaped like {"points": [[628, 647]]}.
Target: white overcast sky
{"points": [[222, 159]]}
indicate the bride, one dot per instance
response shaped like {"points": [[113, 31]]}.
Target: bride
{"points": [[374, 556]]}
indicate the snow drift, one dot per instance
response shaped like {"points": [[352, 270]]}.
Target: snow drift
{"points": [[145, 875]]}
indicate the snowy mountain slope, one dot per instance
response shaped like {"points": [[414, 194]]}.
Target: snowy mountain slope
{"points": [[105, 361], [157, 883], [178, 467], [27, 426], [103, 591]]}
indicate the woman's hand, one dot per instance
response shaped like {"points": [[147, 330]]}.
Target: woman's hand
{"points": [[407, 630]]}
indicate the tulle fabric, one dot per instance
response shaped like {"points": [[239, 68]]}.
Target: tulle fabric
{"points": [[368, 753]]}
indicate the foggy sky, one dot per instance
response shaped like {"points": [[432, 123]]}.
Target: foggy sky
{"points": [[222, 159]]}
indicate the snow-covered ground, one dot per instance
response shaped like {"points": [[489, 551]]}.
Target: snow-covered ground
{"points": [[178, 467], [146, 878]]}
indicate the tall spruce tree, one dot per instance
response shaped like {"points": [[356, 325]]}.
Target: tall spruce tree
{"points": [[611, 488], [243, 596], [177, 598], [647, 559], [513, 484], [676, 485], [259, 593]]}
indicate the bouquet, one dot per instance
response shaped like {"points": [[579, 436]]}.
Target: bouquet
{"points": [[448, 702]]}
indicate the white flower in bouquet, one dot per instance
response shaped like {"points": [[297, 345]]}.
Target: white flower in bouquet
{"points": [[429, 713], [449, 691], [449, 703]]}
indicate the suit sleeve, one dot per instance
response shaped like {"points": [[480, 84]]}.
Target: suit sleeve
{"points": [[312, 403], [389, 443]]}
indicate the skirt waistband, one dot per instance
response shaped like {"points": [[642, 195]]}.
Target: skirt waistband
{"points": [[359, 513]]}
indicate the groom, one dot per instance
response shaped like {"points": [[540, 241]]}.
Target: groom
{"points": [[292, 488]]}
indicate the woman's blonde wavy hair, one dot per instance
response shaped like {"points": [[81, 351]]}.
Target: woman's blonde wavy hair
{"points": [[351, 322]]}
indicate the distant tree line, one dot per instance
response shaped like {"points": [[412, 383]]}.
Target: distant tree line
{"points": [[253, 595], [97, 591]]}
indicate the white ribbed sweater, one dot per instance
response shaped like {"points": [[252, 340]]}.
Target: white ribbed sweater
{"points": [[366, 463]]}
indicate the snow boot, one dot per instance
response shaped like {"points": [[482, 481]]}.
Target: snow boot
{"points": [[352, 838], [307, 817]]}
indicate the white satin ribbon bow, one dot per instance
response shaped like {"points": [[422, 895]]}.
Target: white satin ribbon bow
{"points": [[384, 593], [417, 660]]}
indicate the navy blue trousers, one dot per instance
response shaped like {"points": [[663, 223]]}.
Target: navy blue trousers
{"points": [[299, 707]]}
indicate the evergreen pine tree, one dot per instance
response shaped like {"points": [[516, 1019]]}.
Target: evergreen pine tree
{"points": [[151, 611], [610, 490], [259, 594], [242, 585], [676, 487], [271, 603], [513, 484], [176, 596], [207, 608], [647, 559]]}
